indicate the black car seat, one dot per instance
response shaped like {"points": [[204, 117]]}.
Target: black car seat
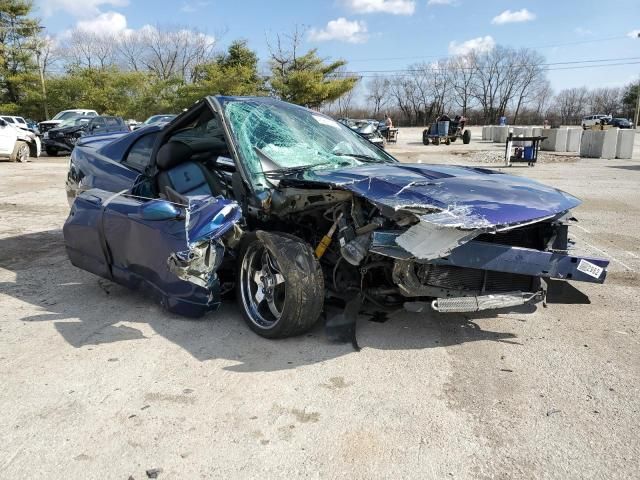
{"points": [[178, 173]]}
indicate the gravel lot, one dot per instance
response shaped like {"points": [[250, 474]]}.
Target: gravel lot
{"points": [[99, 382]]}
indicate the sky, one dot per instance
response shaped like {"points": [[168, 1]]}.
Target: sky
{"points": [[387, 35]]}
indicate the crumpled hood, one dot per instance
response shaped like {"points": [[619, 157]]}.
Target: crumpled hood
{"points": [[67, 130], [471, 197]]}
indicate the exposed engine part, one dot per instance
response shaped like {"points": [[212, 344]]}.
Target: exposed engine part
{"points": [[355, 251], [485, 302], [197, 265], [428, 280], [288, 200], [326, 240]]}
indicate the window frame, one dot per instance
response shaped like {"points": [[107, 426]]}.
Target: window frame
{"points": [[154, 137]]}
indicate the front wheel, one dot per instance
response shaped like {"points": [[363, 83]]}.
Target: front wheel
{"points": [[425, 137], [280, 284], [20, 152], [466, 137], [52, 152]]}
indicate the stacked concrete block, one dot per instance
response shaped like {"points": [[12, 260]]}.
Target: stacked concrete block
{"points": [[599, 143], [487, 133], [519, 132], [573, 139], [624, 148], [556, 140], [536, 131], [500, 134]]}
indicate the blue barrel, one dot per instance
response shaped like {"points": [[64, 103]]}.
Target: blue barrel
{"points": [[528, 153], [443, 128]]}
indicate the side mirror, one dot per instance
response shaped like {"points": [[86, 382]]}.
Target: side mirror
{"points": [[159, 210]]}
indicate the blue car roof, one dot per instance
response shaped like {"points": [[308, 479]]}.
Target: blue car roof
{"points": [[115, 149]]}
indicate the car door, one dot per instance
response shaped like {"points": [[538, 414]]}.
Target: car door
{"points": [[169, 250], [97, 126], [7, 137]]}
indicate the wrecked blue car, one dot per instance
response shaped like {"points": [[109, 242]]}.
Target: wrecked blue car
{"points": [[291, 208]]}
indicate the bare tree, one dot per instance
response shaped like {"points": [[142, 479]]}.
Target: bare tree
{"points": [[530, 77], [570, 104], [90, 49], [606, 100], [171, 53], [378, 93], [462, 71]]}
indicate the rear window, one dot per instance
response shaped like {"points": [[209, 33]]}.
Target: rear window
{"points": [[112, 122], [140, 153]]}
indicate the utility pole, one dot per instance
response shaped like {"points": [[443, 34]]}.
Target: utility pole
{"points": [[635, 123], [42, 83]]}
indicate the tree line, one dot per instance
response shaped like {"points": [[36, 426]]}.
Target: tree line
{"points": [[483, 86], [155, 69], [152, 70]]}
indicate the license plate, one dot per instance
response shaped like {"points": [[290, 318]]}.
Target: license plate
{"points": [[590, 269]]}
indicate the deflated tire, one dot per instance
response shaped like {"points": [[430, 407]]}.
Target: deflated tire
{"points": [[281, 286]]}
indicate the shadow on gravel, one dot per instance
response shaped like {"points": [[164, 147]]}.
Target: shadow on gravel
{"points": [[90, 311], [625, 167]]}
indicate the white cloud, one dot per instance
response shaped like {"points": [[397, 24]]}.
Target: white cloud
{"points": [[508, 16], [634, 33], [394, 7], [480, 44], [341, 29], [104, 23], [191, 7], [441, 2], [79, 8], [583, 32]]}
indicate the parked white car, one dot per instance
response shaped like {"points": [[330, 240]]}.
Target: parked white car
{"points": [[591, 120], [65, 115], [17, 144]]}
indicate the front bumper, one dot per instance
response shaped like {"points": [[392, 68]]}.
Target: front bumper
{"points": [[56, 144], [504, 258]]}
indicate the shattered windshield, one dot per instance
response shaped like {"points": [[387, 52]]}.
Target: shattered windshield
{"points": [[294, 137]]}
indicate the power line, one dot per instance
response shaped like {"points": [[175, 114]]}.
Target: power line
{"points": [[568, 65], [575, 67], [475, 68], [449, 55]]}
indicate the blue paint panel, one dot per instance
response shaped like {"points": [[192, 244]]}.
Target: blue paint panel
{"points": [[138, 249], [503, 258], [498, 198]]}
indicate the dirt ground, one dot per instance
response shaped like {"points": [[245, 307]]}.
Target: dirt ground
{"points": [[99, 382]]}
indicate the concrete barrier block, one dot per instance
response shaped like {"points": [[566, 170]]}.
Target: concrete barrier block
{"points": [[599, 143], [591, 143], [519, 132], [536, 131], [556, 140], [500, 134], [610, 144], [574, 135], [624, 149], [490, 133]]}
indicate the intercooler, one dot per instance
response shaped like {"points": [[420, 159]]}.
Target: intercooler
{"points": [[471, 280]]}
